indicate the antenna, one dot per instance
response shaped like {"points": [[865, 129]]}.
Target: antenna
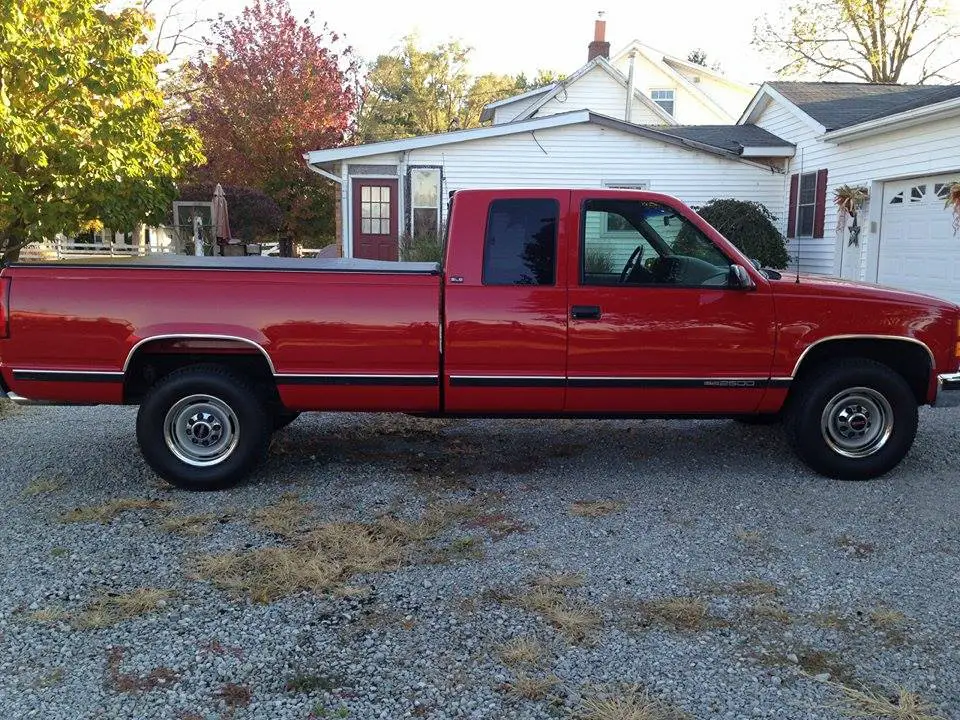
{"points": [[797, 211]]}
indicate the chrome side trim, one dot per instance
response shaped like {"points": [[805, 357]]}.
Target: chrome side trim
{"points": [[933, 361], [21, 401], [193, 336], [104, 376], [948, 390], [356, 379]]}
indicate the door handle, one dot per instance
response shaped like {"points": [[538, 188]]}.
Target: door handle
{"points": [[585, 312]]}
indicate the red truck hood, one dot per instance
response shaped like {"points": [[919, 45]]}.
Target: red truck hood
{"points": [[835, 287]]}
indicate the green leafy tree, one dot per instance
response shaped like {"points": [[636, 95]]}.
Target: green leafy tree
{"points": [[82, 139], [751, 227], [416, 91], [880, 41]]}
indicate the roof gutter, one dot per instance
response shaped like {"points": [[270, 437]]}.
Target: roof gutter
{"points": [[320, 171], [749, 151], [945, 109]]}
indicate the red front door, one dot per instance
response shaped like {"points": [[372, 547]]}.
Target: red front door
{"points": [[375, 225]]}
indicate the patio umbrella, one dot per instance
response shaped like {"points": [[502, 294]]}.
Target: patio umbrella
{"points": [[221, 218]]}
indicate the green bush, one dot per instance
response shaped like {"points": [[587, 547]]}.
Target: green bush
{"points": [[749, 226], [425, 247]]}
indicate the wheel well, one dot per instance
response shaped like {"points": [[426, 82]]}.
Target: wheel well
{"points": [[910, 360], [155, 360]]}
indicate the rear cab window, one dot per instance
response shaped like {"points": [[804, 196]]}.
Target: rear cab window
{"points": [[520, 242]]}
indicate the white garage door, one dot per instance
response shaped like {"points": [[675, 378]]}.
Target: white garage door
{"points": [[918, 250]]}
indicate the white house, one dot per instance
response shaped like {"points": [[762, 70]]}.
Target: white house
{"points": [[400, 187], [900, 142], [665, 90]]}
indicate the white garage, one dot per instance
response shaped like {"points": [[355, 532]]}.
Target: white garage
{"points": [[918, 249]]}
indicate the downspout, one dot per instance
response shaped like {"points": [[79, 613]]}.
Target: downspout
{"points": [[344, 210], [631, 88]]}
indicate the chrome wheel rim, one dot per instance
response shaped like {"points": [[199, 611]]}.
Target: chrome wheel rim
{"points": [[857, 422], [201, 430]]}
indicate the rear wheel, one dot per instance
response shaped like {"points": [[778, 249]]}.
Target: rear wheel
{"points": [[854, 420], [203, 428]]}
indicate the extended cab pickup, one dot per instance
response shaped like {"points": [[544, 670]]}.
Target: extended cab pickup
{"points": [[549, 303]]}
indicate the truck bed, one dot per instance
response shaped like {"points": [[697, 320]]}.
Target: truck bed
{"points": [[335, 334]]}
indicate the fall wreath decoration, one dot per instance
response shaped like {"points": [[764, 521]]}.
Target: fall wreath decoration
{"points": [[849, 200]]}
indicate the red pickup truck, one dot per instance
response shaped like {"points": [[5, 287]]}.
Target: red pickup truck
{"points": [[549, 303]]}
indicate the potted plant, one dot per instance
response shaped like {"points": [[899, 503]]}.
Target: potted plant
{"points": [[849, 200], [952, 201]]}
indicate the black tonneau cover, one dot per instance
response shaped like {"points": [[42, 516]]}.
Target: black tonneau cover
{"points": [[189, 262]]}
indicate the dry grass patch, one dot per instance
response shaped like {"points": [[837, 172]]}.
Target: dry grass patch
{"points": [[108, 511], [194, 525], [109, 610], [573, 619], [856, 548], [49, 615], [531, 687], [632, 705], [7, 409], [900, 704], [560, 580], [521, 651], [753, 586], [286, 517], [131, 682], [770, 611], [43, 485], [461, 548], [683, 613], [887, 618], [497, 525], [234, 695], [595, 508], [747, 537]]}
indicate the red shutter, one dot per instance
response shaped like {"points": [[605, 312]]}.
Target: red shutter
{"points": [[821, 208], [792, 212]]}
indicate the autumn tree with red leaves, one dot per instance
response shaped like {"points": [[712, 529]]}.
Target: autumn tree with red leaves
{"points": [[274, 88]]}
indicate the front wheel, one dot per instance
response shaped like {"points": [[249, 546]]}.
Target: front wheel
{"points": [[203, 428], [854, 420]]}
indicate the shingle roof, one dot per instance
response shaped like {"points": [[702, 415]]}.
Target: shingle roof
{"points": [[727, 137], [840, 105]]}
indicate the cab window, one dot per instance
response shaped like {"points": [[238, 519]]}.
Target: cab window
{"points": [[520, 244], [639, 242]]}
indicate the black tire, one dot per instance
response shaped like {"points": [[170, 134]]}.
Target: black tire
{"points": [[765, 419], [233, 426], [852, 420], [283, 418]]}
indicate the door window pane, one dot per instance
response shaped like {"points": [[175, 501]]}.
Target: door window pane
{"points": [[375, 210], [652, 245], [520, 245]]}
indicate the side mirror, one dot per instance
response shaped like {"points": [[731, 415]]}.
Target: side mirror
{"points": [[740, 278], [756, 264]]}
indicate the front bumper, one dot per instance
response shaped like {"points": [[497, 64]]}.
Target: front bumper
{"points": [[948, 390]]}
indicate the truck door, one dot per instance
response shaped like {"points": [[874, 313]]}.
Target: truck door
{"points": [[505, 303], [656, 325]]}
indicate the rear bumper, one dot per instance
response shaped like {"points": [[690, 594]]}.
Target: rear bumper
{"points": [[948, 390]]}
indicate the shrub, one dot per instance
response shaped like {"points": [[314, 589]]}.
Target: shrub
{"points": [[424, 247], [749, 226], [253, 214]]}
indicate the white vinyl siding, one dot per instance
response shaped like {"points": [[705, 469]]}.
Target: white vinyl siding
{"points": [[598, 92], [927, 149], [585, 156]]}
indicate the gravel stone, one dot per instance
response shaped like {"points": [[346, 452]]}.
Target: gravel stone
{"points": [[707, 510]]}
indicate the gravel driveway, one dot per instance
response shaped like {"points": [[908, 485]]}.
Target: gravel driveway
{"points": [[390, 567]]}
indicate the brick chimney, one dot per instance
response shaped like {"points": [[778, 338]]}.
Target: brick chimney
{"points": [[599, 47]]}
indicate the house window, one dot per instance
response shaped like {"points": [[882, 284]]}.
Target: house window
{"points": [[807, 204], [424, 201], [663, 98], [520, 244]]}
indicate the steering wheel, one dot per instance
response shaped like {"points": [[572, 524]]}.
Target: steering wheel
{"points": [[635, 257]]}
